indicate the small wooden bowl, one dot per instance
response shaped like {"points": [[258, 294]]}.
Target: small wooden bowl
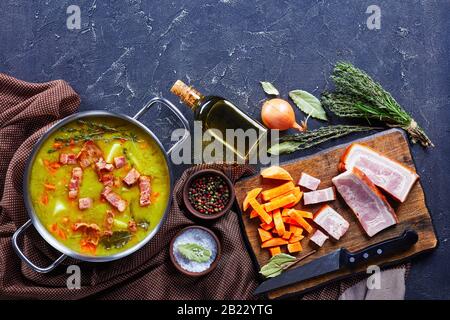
{"points": [[213, 264], [188, 204]]}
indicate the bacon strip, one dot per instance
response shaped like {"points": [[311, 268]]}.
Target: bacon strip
{"points": [[391, 176], [366, 201], [114, 199], [75, 181], [308, 181], [131, 177], [331, 221], [145, 189], [319, 196], [319, 238]]}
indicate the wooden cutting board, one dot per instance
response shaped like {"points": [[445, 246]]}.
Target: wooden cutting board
{"points": [[413, 213]]}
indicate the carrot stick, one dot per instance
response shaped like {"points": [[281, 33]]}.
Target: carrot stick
{"points": [[302, 222], [261, 212], [278, 191], [274, 242], [280, 202]]}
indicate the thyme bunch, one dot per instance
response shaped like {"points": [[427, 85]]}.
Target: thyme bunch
{"points": [[357, 95]]}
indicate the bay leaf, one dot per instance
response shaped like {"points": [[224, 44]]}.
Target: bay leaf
{"points": [[309, 104], [275, 265], [194, 252], [269, 88]]}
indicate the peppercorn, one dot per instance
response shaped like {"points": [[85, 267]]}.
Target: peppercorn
{"points": [[208, 194]]}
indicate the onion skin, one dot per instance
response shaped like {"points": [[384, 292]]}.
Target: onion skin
{"points": [[278, 114]]}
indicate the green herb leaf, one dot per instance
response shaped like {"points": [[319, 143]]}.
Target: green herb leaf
{"points": [[117, 240], [357, 95], [308, 103], [194, 252], [276, 265], [308, 139], [269, 88]]}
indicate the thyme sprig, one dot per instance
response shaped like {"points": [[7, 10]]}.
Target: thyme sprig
{"points": [[91, 130], [291, 143], [357, 95]]}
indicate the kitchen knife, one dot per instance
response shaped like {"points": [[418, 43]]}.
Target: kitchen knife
{"points": [[339, 259]]}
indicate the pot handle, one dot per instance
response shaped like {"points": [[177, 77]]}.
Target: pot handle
{"points": [[172, 108], [25, 259]]}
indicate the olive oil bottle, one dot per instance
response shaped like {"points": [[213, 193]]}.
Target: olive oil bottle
{"points": [[220, 114]]}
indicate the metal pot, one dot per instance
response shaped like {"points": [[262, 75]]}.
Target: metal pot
{"points": [[34, 220]]}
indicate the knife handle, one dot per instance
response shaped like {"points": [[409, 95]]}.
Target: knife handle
{"points": [[379, 250]]}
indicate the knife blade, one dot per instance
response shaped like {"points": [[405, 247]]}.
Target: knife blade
{"points": [[339, 259]]}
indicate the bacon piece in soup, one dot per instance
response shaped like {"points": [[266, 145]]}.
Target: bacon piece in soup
{"points": [[85, 203], [68, 158], [89, 154], [145, 189], [114, 199], [120, 162], [131, 177], [75, 181]]}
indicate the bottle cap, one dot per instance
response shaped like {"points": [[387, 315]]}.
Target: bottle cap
{"points": [[187, 94]]}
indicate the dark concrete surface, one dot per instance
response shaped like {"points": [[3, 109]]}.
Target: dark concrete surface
{"points": [[129, 51]]}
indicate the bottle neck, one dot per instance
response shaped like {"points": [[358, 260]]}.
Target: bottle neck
{"points": [[190, 96]]}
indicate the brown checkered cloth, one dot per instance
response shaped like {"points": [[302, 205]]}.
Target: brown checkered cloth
{"points": [[27, 110]]}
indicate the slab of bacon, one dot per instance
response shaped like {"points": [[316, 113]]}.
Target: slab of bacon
{"points": [[74, 183], [319, 196], [366, 201], [331, 222], [114, 199], [85, 203], [391, 176], [68, 158], [89, 154], [308, 182], [120, 162], [145, 189], [131, 177], [319, 238]]}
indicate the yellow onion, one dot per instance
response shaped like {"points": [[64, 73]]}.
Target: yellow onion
{"points": [[278, 114]]}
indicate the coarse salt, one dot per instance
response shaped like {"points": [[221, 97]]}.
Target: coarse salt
{"points": [[200, 237]]}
